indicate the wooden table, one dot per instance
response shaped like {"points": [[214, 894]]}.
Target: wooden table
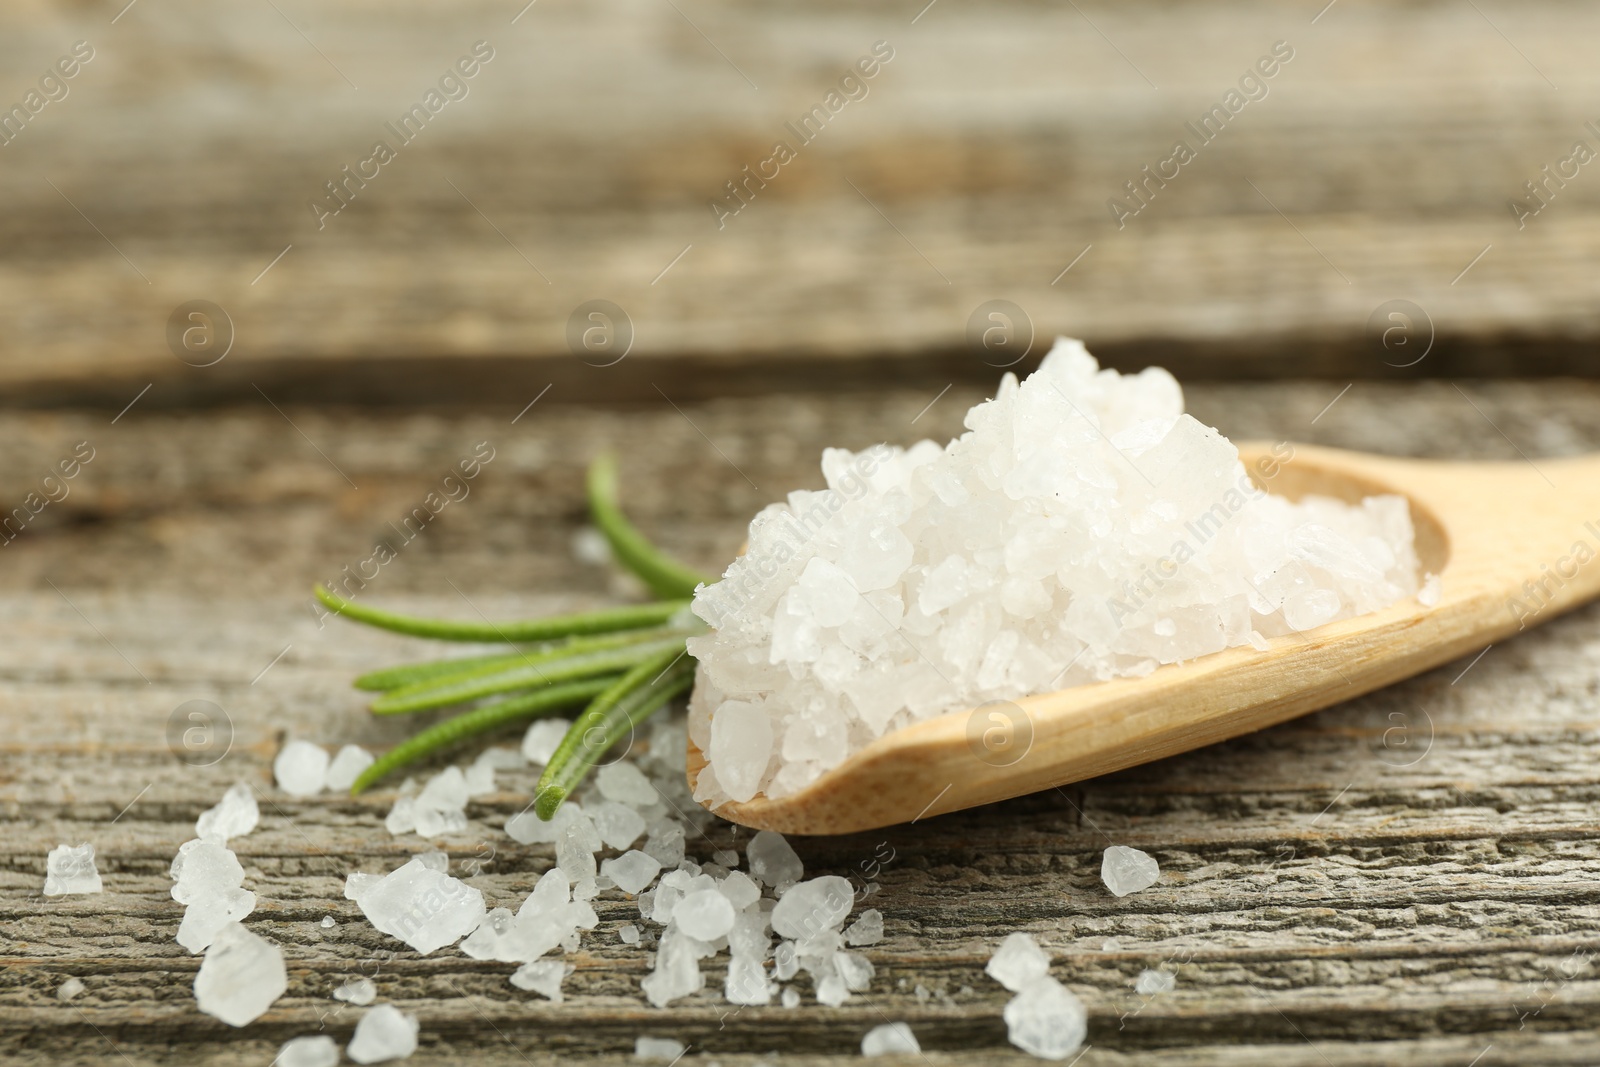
{"points": [[1409, 878]]}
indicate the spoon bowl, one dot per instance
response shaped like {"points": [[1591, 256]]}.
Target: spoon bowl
{"points": [[1514, 545]]}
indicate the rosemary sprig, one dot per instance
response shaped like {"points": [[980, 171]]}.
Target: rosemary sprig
{"points": [[620, 664]]}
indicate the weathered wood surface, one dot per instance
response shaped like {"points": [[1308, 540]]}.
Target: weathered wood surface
{"points": [[1407, 879], [978, 166]]}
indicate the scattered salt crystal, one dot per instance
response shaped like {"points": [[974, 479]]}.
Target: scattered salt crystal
{"points": [[791, 998], [832, 991], [527, 828], [772, 861], [739, 889], [809, 907], [1150, 983], [726, 857], [747, 983], [677, 970], [631, 871], [628, 934], [626, 784], [317, 1050], [665, 843], [785, 961], [240, 977], [209, 912], [301, 768], [855, 970], [888, 1040], [866, 930], [590, 546], [657, 1048], [1428, 595], [357, 991], [480, 779], [235, 815], [424, 907], [704, 915], [203, 867], [1127, 870], [357, 883], [618, 825], [347, 767], [1017, 962], [540, 742], [328, 922], [1046, 1020], [384, 1033], [72, 987], [402, 818], [69, 869], [543, 977]]}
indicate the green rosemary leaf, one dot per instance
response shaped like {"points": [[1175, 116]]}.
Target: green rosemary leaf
{"points": [[532, 672], [607, 620], [665, 576], [481, 720], [624, 704], [413, 673]]}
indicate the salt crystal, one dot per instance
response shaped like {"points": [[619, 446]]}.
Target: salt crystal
{"points": [[855, 970], [72, 987], [203, 867], [704, 915], [240, 977], [739, 889], [785, 961], [677, 970], [402, 818], [832, 991], [631, 871], [1428, 595], [791, 998], [1127, 870], [665, 843], [1046, 1020], [726, 857], [235, 815], [347, 767], [527, 828], [888, 1040], [1017, 962], [809, 907], [425, 908], [71, 870], [357, 991], [543, 977], [628, 934], [384, 1033], [357, 883], [542, 738], [626, 784], [618, 825], [488, 940], [209, 912], [301, 768], [318, 1050], [772, 861], [1149, 983], [866, 930], [657, 1048], [747, 983], [328, 922]]}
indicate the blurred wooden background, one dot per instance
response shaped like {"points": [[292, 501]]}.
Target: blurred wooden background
{"points": [[583, 160]]}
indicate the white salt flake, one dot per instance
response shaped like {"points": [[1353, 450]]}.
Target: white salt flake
{"points": [[677, 970], [357, 991], [384, 1033], [69, 989], [628, 934], [347, 767], [317, 1050], [656, 1048], [328, 922], [209, 912], [542, 738], [1127, 870], [889, 1039], [791, 998], [543, 977], [632, 871], [726, 857], [301, 768], [626, 784], [235, 815], [1428, 595], [1018, 962], [1046, 1020], [704, 915], [424, 907], [618, 825], [773, 862], [203, 867], [240, 977], [1149, 983], [813, 906], [866, 930], [69, 869]]}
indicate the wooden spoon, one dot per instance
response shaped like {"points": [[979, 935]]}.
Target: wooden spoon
{"points": [[1515, 544]]}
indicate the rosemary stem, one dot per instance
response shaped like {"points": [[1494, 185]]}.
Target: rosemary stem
{"points": [[665, 576], [607, 620]]}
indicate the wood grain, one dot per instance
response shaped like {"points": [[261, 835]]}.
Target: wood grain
{"points": [[978, 166], [1408, 878]]}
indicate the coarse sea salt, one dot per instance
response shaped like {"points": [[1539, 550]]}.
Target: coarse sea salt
{"points": [[384, 1033], [1085, 528], [71, 869], [1127, 870], [1046, 1020], [420, 904], [317, 1050], [301, 768], [240, 977], [235, 815], [889, 1039], [347, 767]]}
